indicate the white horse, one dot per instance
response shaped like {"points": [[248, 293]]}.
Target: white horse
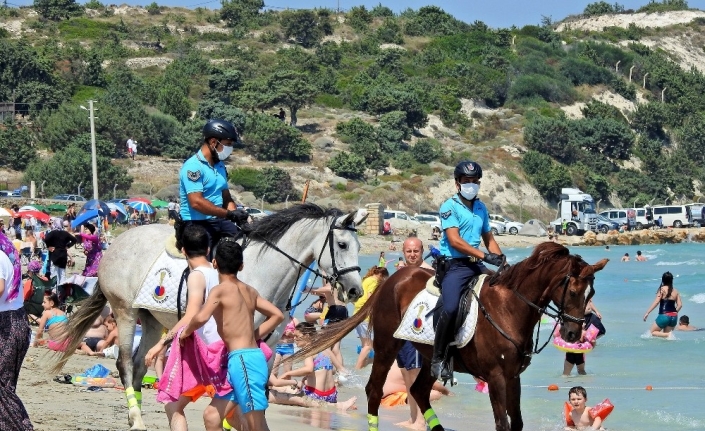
{"points": [[278, 247]]}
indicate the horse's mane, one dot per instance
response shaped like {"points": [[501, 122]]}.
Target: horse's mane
{"points": [[543, 253], [272, 227]]}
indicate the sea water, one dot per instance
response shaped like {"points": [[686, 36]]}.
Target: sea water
{"points": [[625, 361]]}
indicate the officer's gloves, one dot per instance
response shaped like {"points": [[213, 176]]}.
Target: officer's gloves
{"points": [[239, 216], [494, 259]]}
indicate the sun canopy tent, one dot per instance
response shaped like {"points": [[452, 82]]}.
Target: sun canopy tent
{"points": [[533, 227]]}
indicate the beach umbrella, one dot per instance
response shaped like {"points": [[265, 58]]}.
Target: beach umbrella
{"points": [[42, 217], [56, 207], [139, 199], [95, 204], [29, 208], [86, 216], [141, 207], [157, 203], [117, 207], [4, 212]]}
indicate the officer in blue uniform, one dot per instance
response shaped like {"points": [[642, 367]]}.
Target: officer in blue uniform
{"points": [[464, 221], [203, 184]]}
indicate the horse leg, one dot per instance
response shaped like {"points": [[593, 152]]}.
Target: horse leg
{"points": [[126, 319], [385, 353], [421, 391], [498, 398], [514, 403], [151, 331]]}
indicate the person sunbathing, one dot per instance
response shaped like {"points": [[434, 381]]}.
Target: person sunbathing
{"points": [[53, 321]]}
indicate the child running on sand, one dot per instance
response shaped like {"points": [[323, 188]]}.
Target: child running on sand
{"points": [[232, 304], [318, 371], [580, 414]]}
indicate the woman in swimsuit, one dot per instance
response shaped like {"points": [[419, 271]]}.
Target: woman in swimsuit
{"points": [[317, 370], [669, 304], [53, 321], [285, 347]]}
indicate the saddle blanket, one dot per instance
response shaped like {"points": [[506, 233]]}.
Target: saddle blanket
{"points": [[417, 323], [161, 285]]}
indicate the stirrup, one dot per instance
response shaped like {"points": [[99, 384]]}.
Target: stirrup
{"points": [[447, 373]]}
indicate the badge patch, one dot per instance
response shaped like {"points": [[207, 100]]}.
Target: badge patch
{"points": [[193, 175], [446, 214]]}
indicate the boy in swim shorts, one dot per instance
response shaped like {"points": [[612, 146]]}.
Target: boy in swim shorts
{"points": [[232, 304], [580, 414]]}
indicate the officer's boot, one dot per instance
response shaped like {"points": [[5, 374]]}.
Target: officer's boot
{"points": [[444, 335]]}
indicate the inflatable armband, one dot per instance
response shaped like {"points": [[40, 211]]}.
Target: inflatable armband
{"points": [[601, 410]]}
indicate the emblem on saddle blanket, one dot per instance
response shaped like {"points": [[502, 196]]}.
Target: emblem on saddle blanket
{"points": [[161, 285], [417, 323]]}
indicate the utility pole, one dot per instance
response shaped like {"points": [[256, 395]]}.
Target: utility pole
{"points": [[644, 86], [616, 66], [94, 158], [630, 73], [663, 94]]}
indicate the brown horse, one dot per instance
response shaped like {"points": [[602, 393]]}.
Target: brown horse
{"points": [[510, 304]]}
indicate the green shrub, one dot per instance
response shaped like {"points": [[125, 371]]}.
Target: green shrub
{"points": [[94, 4], [602, 8], [426, 150], [664, 6], [580, 71], [84, 28], [355, 130], [527, 87], [248, 178], [16, 146], [330, 101], [358, 18], [340, 187], [153, 8], [56, 10], [268, 138], [403, 161], [348, 165], [275, 185]]}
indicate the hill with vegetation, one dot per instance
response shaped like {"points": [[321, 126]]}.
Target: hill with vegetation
{"points": [[380, 106]]}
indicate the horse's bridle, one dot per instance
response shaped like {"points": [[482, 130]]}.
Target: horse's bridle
{"points": [[337, 273], [557, 313]]}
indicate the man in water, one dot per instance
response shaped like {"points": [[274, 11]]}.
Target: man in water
{"points": [[639, 257], [203, 185], [684, 324], [408, 359], [465, 222]]}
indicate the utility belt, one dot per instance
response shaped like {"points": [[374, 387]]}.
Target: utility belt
{"points": [[443, 263]]}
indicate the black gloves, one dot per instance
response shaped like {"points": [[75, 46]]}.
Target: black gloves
{"points": [[494, 259], [239, 217]]}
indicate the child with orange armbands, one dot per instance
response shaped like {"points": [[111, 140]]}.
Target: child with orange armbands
{"points": [[579, 417]]}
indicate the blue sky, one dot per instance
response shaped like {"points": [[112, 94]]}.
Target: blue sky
{"points": [[495, 13]]}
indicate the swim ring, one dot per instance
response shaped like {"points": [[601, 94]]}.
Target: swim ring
{"points": [[601, 410], [582, 347]]}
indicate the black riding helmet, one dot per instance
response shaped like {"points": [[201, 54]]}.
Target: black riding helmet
{"points": [[468, 168], [220, 129]]}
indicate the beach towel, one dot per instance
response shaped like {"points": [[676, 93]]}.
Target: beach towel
{"points": [[191, 365]]}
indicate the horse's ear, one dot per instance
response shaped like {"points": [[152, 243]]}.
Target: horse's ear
{"points": [[596, 267], [360, 216]]}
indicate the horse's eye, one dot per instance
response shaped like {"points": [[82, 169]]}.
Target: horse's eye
{"points": [[573, 294], [342, 245]]}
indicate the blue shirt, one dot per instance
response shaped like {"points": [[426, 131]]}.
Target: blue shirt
{"points": [[197, 175], [471, 224]]}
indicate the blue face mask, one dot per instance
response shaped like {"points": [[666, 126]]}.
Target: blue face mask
{"points": [[469, 190]]}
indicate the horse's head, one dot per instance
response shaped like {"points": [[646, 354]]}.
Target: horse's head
{"points": [[572, 292], [341, 263]]}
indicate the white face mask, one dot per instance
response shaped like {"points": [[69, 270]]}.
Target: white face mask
{"points": [[469, 190], [227, 150]]}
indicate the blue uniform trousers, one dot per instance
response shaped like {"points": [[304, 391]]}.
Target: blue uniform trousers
{"points": [[457, 276]]}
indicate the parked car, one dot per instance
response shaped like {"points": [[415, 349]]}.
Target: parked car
{"points": [[429, 219], [72, 198], [9, 194], [618, 216], [605, 225], [257, 213], [513, 227], [498, 227], [401, 215], [673, 215]]}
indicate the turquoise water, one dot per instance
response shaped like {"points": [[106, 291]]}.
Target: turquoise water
{"points": [[625, 361]]}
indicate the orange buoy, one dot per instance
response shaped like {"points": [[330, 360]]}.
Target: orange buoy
{"points": [[553, 387], [649, 388]]}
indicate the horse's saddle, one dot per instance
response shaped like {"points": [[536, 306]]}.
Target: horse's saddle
{"points": [[418, 324], [171, 249], [464, 306]]}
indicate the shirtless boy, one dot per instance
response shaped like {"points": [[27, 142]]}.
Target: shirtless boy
{"points": [[577, 396], [684, 324], [232, 304]]}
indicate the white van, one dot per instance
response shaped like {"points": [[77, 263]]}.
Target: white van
{"points": [[673, 215], [643, 217], [402, 215]]}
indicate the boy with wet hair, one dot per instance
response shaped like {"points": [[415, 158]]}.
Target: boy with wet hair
{"points": [[232, 304], [684, 324], [580, 414]]}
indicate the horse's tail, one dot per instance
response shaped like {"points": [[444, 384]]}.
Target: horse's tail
{"points": [[335, 332], [79, 323]]}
